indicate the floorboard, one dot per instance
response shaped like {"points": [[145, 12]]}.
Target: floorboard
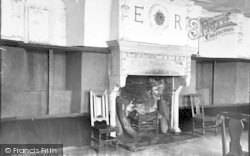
{"points": [[209, 145]]}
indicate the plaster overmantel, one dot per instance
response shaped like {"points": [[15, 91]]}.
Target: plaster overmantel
{"points": [[147, 59]]}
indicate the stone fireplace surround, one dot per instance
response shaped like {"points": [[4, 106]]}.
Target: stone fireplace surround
{"points": [[146, 59]]}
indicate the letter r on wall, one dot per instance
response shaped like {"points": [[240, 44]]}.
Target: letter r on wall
{"points": [[177, 20]]}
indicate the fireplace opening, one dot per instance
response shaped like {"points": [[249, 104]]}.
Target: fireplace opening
{"points": [[147, 97]]}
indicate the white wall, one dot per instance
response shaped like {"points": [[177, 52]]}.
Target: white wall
{"points": [[243, 50], [75, 15], [94, 22], [232, 44], [36, 21], [97, 22]]}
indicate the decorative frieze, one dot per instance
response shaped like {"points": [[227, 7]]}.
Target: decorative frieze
{"points": [[134, 58], [153, 64], [156, 21], [141, 55]]}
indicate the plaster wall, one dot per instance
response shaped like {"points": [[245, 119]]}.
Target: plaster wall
{"points": [[75, 22], [114, 23], [34, 21], [191, 89], [223, 47], [230, 41], [244, 38], [57, 22], [97, 22]]}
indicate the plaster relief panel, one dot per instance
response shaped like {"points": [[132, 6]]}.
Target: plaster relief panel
{"points": [[35, 21], [38, 25], [157, 21], [153, 64], [12, 19]]}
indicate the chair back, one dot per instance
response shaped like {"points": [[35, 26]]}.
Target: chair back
{"points": [[196, 104], [99, 106], [235, 129]]}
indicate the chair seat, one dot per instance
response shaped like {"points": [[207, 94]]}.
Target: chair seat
{"points": [[107, 139], [204, 118], [106, 128]]}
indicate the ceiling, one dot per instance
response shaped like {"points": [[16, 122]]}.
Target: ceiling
{"points": [[236, 6]]}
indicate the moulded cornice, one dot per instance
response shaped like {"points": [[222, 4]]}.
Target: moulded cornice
{"points": [[132, 46]]}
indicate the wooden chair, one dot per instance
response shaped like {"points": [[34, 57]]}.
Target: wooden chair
{"points": [[199, 117], [100, 125], [236, 127]]}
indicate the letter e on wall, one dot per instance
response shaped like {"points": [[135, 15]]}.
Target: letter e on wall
{"points": [[138, 14]]}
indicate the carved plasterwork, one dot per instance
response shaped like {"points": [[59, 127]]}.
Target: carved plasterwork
{"points": [[12, 19], [156, 21], [158, 17], [134, 58], [17, 17], [193, 28], [125, 10], [35, 21], [153, 64], [240, 33]]}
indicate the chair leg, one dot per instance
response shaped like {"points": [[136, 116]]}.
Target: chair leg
{"points": [[116, 143], [92, 142], [215, 131], [99, 142], [157, 126], [203, 125], [193, 127], [157, 130]]}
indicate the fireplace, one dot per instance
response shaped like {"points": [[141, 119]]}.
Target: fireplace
{"points": [[145, 100], [144, 64]]}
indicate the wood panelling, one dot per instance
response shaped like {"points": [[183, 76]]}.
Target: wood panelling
{"points": [[70, 131]]}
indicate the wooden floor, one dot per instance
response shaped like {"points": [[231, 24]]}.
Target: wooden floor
{"points": [[210, 145]]}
